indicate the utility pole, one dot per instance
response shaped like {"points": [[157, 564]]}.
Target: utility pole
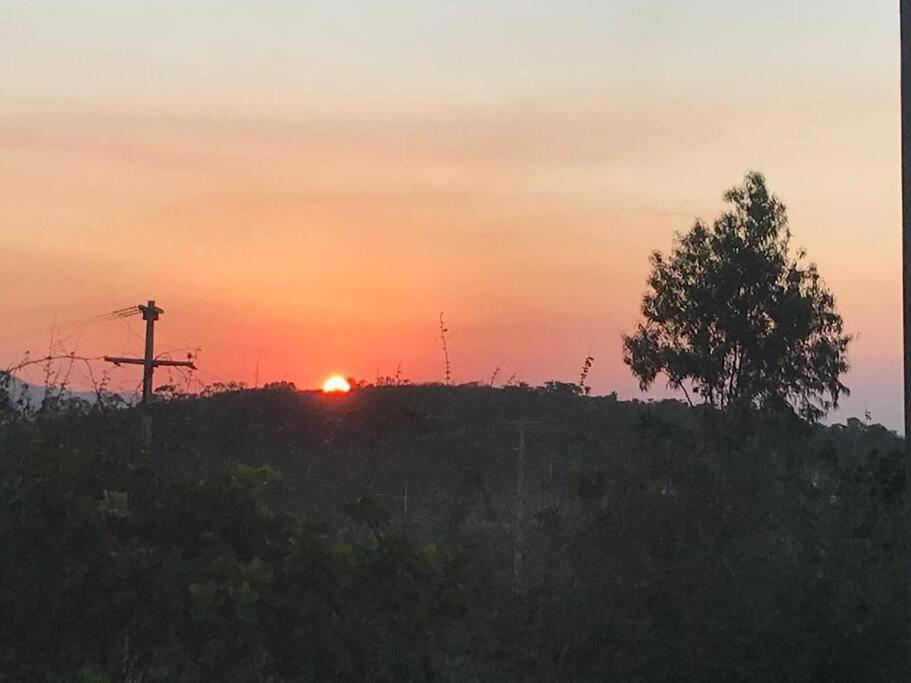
{"points": [[150, 313], [520, 508], [905, 33]]}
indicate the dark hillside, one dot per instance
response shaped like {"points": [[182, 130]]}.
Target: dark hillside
{"points": [[379, 440], [372, 441]]}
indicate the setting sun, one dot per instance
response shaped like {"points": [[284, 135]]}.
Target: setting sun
{"points": [[336, 385]]}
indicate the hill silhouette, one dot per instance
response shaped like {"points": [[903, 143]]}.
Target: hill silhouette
{"points": [[329, 448]]}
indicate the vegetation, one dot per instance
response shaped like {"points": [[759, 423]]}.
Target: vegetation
{"points": [[653, 549]]}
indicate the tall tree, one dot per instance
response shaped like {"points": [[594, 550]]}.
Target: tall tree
{"points": [[731, 316]]}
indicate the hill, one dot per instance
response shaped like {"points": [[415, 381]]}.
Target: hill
{"points": [[380, 441]]}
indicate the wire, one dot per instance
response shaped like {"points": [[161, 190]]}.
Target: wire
{"points": [[131, 334], [189, 350], [220, 380], [119, 314]]}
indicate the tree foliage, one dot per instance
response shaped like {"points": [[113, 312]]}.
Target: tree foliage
{"points": [[731, 316]]}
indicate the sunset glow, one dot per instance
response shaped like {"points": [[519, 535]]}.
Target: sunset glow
{"points": [[336, 385], [512, 164]]}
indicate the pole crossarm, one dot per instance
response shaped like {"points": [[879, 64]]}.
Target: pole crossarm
{"points": [[174, 364], [124, 361], [117, 360]]}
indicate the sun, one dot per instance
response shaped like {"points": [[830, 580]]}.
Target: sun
{"points": [[336, 384]]}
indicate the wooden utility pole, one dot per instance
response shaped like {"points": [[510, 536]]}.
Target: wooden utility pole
{"points": [[518, 539], [905, 33], [150, 313]]}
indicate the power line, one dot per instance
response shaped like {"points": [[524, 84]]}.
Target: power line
{"points": [[80, 323]]}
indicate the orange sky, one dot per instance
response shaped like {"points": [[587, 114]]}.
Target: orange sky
{"points": [[309, 192]]}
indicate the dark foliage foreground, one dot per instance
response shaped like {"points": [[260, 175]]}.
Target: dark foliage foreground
{"points": [[701, 562]]}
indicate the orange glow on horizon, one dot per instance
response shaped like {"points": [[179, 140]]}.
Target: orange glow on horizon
{"points": [[332, 223], [336, 384]]}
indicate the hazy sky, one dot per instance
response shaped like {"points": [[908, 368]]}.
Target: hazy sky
{"points": [[306, 185]]}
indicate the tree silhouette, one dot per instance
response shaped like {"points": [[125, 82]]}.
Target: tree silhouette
{"points": [[732, 315]]}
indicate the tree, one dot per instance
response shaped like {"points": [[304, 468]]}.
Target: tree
{"points": [[734, 317]]}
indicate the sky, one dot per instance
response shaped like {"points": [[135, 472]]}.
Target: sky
{"points": [[305, 186]]}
